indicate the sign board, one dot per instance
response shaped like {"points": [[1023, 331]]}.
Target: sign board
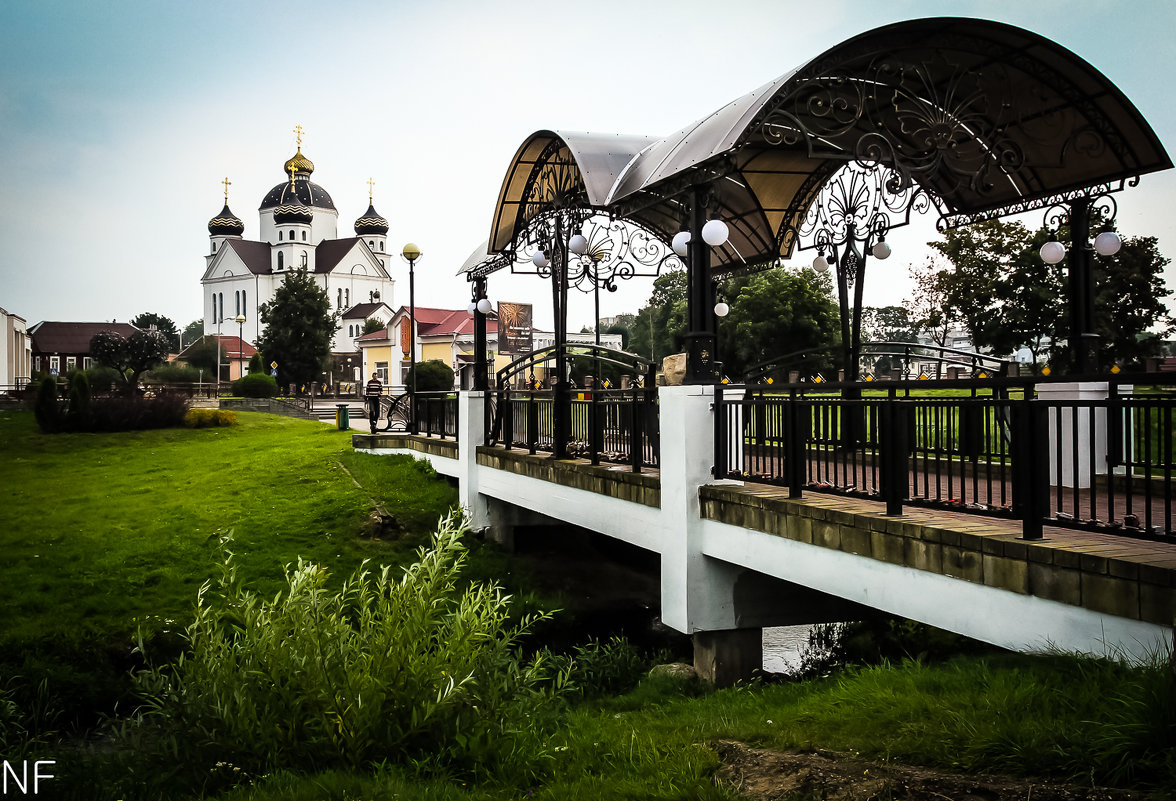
{"points": [[514, 328], [274, 365], [274, 373]]}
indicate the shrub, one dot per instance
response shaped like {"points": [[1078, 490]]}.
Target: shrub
{"points": [[256, 385], [102, 379], [174, 374], [209, 418], [79, 402], [46, 407], [607, 668], [431, 376], [136, 412], [382, 669], [256, 365]]}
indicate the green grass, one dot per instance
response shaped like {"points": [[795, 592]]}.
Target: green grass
{"points": [[1053, 717], [102, 533]]}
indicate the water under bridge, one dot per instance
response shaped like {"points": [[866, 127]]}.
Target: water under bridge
{"points": [[737, 556]]}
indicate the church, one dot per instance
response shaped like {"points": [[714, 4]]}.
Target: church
{"points": [[299, 230]]}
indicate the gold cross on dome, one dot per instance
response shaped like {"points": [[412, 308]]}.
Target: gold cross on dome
{"points": [[298, 131], [370, 184], [227, 184], [293, 172]]}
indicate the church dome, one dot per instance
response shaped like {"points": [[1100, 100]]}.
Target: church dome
{"points": [[226, 224], [301, 187], [304, 165], [292, 211], [371, 223]]}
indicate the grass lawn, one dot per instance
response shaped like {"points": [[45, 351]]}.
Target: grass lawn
{"points": [[103, 531]]}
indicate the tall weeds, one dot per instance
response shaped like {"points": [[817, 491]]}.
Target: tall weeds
{"points": [[412, 669]]}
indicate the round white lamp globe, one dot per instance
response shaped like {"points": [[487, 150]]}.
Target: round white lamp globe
{"points": [[1052, 252], [681, 243], [722, 309], [715, 233], [820, 264], [881, 250], [471, 308], [540, 259], [484, 306], [578, 244], [1107, 243]]}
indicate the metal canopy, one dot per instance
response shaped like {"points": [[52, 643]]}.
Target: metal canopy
{"points": [[986, 118]]}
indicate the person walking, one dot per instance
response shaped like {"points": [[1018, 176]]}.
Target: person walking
{"points": [[372, 393]]}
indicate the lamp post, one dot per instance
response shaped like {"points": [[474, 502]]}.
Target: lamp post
{"points": [[241, 345], [411, 253], [1081, 214], [219, 320]]}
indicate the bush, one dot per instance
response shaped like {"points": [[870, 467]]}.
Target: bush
{"points": [[137, 413], [46, 407], [256, 385], [391, 669], [256, 365], [79, 414], [209, 418], [174, 374], [102, 379], [432, 376]]}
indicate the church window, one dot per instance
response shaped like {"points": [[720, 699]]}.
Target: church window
{"points": [[243, 306], [305, 262], [280, 260], [214, 317], [214, 247], [279, 235], [304, 236], [371, 243], [237, 301], [347, 297], [221, 303], [339, 300]]}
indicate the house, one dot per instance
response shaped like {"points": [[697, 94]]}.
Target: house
{"points": [[233, 355], [58, 347], [16, 352]]}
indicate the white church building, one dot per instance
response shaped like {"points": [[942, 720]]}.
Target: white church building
{"points": [[299, 229]]}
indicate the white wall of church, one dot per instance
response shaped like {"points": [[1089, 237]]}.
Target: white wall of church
{"points": [[324, 224]]}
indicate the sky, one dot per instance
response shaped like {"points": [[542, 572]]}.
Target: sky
{"points": [[120, 119]]}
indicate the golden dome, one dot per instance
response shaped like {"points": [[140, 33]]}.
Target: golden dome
{"points": [[300, 162]]}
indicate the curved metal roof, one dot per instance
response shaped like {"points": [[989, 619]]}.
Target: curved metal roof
{"points": [[560, 168], [989, 119]]}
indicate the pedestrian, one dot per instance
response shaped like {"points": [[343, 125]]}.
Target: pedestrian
{"points": [[373, 392]]}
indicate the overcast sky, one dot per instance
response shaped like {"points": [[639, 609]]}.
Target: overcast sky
{"points": [[119, 119]]}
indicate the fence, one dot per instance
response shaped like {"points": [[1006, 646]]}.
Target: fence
{"points": [[611, 425], [1045, 453]]}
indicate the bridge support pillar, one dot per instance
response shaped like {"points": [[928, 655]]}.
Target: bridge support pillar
{"points": [[726, 657], [471, 421]]}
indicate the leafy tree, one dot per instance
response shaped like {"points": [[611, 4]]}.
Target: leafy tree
{"points": [[931, 304], [431, 376], [192, 332], [1131, 318], [660, 326], [888, 324], [129, 356], [164, 325], [371, 325], [204, 355], [299, 325], [774, 313], [256, 365]]}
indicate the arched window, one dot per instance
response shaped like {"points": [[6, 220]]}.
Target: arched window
{"points": [[339, 300], [305, 263], [347, 297], [280, 254], [371, 243], [221, 300], [243, 306], [279, 235], [304, 236], [214, 247], [381, 247], [214, 317]]}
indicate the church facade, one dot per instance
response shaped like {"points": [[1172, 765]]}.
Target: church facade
{"points": [[298, 230]]}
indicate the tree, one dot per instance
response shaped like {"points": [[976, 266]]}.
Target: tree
{"points": [[164, 325], [660, 326], [774, 313], [204, 355], [192, 332], [888, 324], [371, 325], [129, 356], [298, 328], [431, 376], [1131, 318]]}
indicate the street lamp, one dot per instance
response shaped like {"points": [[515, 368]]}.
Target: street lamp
{"points": [[241, 345], [411, 253]]}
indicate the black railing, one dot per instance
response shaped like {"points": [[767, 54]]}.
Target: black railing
{"points": [[1004, 447], [436, 414]]}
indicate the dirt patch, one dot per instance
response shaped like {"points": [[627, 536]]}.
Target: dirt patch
{"points": [[766, 775]]}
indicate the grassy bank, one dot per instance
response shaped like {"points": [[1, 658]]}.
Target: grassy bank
{"points": [[104, 532]]}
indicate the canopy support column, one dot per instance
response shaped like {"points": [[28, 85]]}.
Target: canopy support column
{"points": [[700, 297]]}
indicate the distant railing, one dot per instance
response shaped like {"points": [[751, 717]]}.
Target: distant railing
{"points": [[1006, 447], [599, 422], [436, 414]]}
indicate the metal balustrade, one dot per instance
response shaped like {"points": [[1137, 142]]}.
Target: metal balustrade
{"points": [[1007, 447]]}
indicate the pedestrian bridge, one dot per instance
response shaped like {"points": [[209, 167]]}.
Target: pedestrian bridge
{"points": [[736, 557]]}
